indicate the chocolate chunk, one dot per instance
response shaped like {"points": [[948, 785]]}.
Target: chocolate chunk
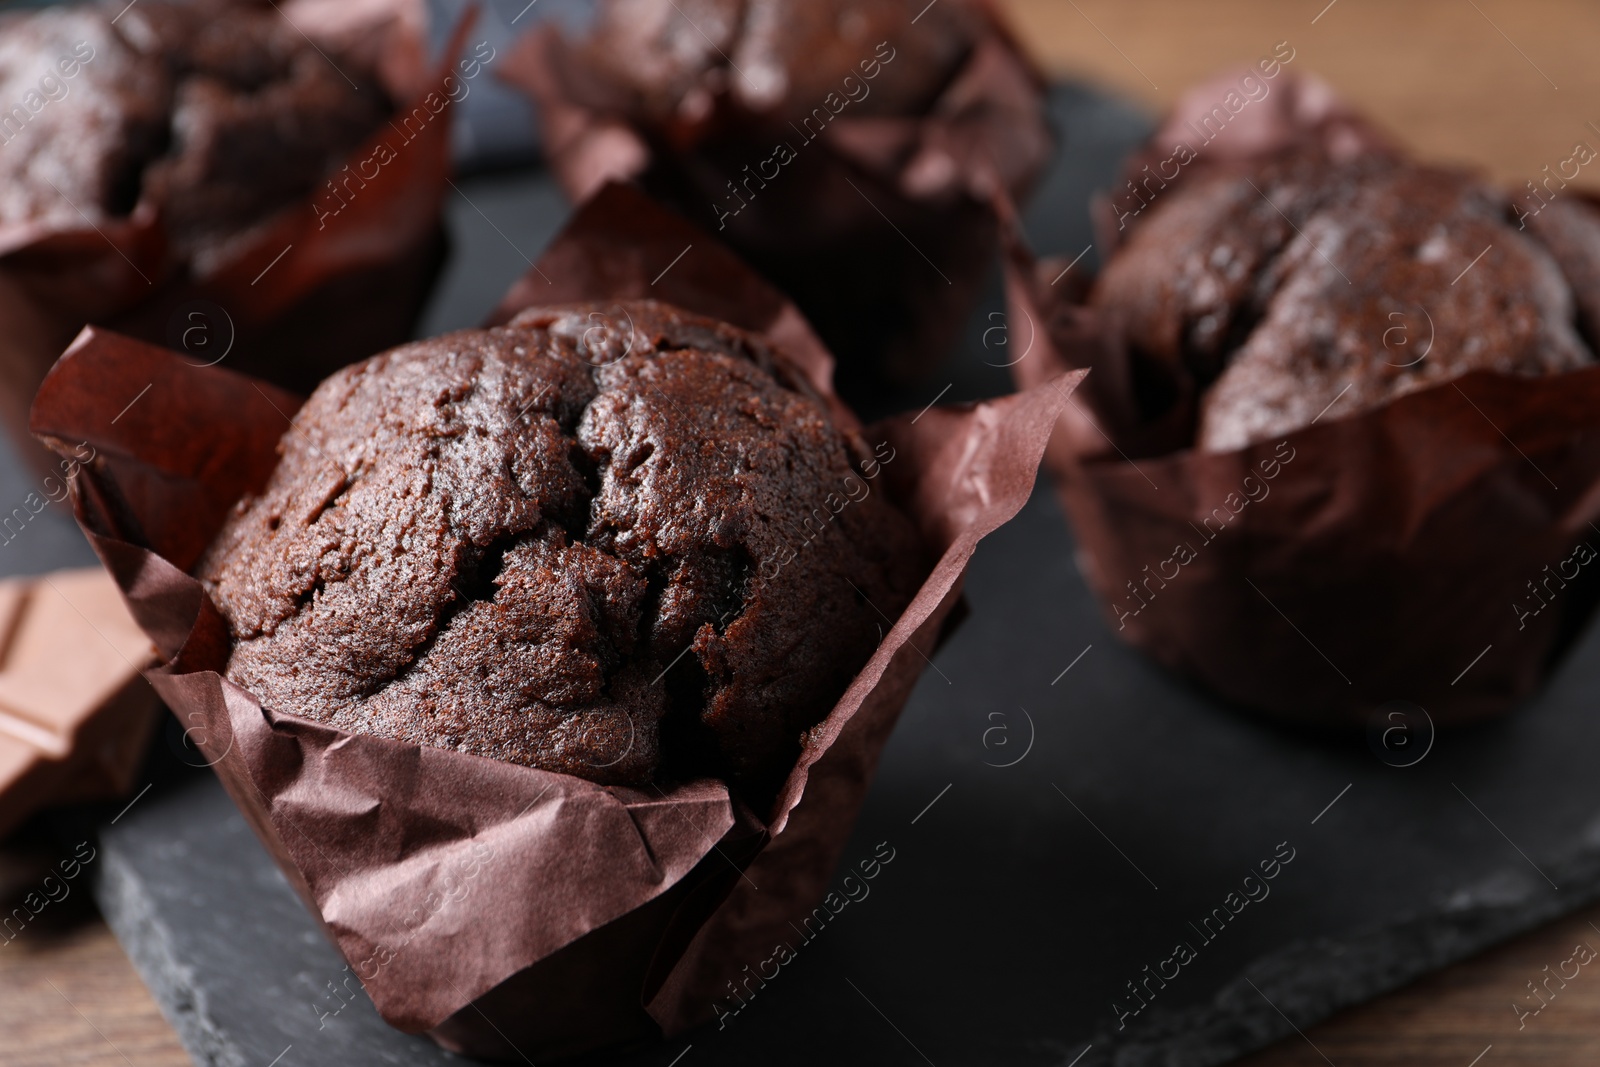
{"points": [[74, 711]]}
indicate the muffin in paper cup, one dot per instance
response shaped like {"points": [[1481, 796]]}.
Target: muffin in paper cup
{"points": [[503, 910], [848, 152], [1375, 488], [332, 275]]}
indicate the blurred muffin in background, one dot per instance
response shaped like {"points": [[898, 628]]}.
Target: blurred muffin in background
{"points": [[156, 159], [851, 152]]}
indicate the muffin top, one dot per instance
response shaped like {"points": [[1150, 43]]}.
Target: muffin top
{"points": [[218, 111], [616, 541], [674, 60], [1286, 285]]}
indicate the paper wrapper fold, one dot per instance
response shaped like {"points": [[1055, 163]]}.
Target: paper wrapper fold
{"points": [[879, 229], [507, 911], [1393, 549], [293, 298]]}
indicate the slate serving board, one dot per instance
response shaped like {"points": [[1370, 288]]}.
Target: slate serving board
{"points": [[1061, 816]]}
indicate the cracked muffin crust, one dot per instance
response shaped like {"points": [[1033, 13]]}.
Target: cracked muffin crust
{"points": [[1281, 287], [675, 58], [218, 112], [603, 540]]}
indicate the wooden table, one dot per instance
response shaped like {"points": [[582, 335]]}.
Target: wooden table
{"points": [[1509, 87], [1502, 85]]}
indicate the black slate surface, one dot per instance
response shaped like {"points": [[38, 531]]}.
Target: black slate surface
{"points": [[1061, 814]]}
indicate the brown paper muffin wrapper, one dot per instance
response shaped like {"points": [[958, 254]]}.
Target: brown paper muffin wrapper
{"points": [[879, 229], [291, 299], [1388, 555], [507, 911]]}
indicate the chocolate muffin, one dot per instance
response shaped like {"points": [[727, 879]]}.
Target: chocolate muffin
{"points": [[616, 541], [1302, 284], [851, 152], [216, 112], [82, 114], [676, 62]]}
